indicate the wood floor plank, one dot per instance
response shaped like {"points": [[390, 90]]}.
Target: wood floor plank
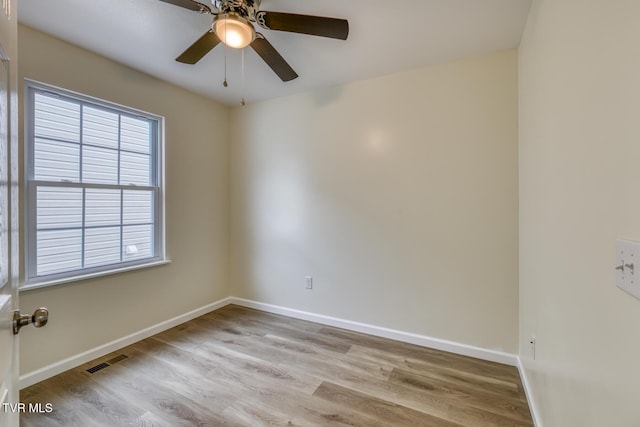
{"points": [[442, 358], [316, 361], [244, 313], [386, 411], [481, 383], [260, 371], [155, 397], [308, 335], [294, 408], [242, 367], [437, 403], [204, 390], [79, 395], [511, 408], [322, 363]]}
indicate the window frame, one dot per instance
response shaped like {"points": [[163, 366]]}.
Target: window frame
{"points": [[31, 279]]}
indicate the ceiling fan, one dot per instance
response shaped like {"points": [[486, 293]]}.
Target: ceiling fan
{"points": [[233, 25]]}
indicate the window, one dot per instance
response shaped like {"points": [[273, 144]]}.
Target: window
{"points": [[93, 186]]}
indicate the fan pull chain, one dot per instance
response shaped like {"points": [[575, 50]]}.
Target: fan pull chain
{"points": [[225, 84], [242, 100]]}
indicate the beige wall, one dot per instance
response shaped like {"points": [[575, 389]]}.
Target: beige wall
{"points": [[579, 179], [398, 195], [92, 312]]}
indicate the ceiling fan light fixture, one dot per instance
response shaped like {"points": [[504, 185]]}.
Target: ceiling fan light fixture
{"points": [[233, 30]]}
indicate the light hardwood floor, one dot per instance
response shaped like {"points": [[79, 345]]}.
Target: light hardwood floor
{"points": [[243, 367]]}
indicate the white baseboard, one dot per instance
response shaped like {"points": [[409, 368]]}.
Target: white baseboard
{"points": [[463, 349], [71, 362], [529, 393], [408, 337]]}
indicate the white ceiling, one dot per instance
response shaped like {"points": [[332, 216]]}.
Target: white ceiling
{"points": [[385, 37]]}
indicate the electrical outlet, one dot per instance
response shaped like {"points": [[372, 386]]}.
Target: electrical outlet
{"points": [[308, 282], [628, 266], [532, 343]]}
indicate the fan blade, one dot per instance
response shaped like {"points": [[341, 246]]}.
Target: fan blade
{"points": [[273, 59], [190, 4], [200, 48], [304, 24]]}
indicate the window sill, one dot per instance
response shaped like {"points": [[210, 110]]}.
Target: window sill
{"points": [[31, 286]]}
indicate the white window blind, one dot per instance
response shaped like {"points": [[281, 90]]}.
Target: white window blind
{"points": [[93, 186]]}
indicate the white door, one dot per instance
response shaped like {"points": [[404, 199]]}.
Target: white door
{"points": [[8, 212]]}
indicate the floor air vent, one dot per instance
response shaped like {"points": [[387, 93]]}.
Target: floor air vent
{"points": [[97, 368], [106, 364]]}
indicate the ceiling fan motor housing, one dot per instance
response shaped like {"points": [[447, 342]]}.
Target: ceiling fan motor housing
{"points": [[246, 9]]}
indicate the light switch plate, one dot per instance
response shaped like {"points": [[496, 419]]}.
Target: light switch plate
{"points": [[628, 266]]}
